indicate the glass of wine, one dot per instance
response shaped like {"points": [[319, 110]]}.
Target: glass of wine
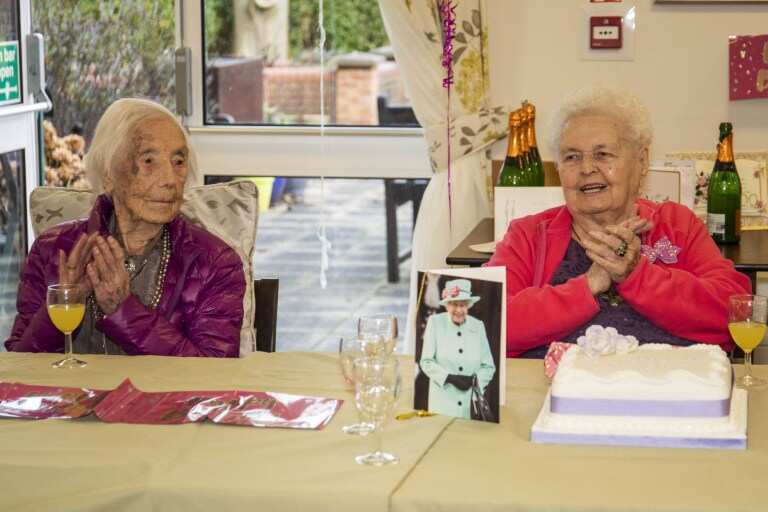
{"points": [[380, 330], [66, 307], [746, 322], [377, 388], [351, 348]]}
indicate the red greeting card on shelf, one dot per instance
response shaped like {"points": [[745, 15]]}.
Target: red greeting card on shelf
{"points": [[748, 67]]}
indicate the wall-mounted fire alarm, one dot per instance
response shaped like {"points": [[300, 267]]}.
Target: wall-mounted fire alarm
{"points": [[605, 32]]}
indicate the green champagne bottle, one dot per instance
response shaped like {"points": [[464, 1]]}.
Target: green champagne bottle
{"points": [[513, 172], [526, 149], [724, 192], [538, 165]]}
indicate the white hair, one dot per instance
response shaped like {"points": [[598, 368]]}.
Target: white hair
{"points": [[112, 141], [621, 106]]}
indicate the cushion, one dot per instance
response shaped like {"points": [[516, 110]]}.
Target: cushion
{"points": [[228, 210]]}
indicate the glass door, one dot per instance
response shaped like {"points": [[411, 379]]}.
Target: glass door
{"points": [[256, 78], [18, 153]]}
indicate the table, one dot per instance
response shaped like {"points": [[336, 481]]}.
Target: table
{"points": [[446, 464], [750, 256], [89, 465], [476, 466]]}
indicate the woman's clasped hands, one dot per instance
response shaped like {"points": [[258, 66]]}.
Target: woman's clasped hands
{"points": [[614, 250], [95, 263]]}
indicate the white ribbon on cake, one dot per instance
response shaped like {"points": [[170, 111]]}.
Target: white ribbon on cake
{"points": [[602, 341]]}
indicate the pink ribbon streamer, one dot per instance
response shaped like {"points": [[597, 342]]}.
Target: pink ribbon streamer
{"points": [[448, 16]]}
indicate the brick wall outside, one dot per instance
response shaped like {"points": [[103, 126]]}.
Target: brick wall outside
{"points": [[291, 94], [294, 92], [356, 90]]}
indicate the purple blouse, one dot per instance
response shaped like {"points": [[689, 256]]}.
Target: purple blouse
{"points": [[613, 313]]}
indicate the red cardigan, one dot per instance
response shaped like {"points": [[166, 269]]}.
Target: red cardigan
{"points": [[688, 299]]}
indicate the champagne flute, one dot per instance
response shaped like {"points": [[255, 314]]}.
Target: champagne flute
{"points": [[746, 322], [377, 387], [66, 307], [379, 329], [351, 348]]}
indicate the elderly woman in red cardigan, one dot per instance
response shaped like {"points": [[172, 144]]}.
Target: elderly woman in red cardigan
{"points": [[608, 257]]}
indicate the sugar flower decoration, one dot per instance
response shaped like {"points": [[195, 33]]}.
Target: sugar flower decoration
{"points": [[602, 341]]}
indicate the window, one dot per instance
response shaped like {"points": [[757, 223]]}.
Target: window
{"points": [[256, 110], [13, 243], [288, 247], [100, 51], [262, 65]]}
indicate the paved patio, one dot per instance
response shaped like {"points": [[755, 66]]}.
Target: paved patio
{"points": [[287, 246]]}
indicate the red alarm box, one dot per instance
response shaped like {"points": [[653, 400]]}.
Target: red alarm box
{"points": [[604, 32]]}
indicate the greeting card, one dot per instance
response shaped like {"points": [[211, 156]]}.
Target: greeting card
{"points": [[748, 67]]}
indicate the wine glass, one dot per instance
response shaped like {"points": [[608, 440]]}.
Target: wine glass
{"points": [[746, 322], [377, 387], [66, 307], [351, 348], [379, 329]]}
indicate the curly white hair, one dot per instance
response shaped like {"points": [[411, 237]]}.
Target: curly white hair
{"points": [[619, 105]]}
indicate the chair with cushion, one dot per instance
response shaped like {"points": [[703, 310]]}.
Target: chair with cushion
{"points": [[228, 210]]}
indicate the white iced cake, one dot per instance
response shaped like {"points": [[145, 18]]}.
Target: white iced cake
{"points": [[656, 395]]}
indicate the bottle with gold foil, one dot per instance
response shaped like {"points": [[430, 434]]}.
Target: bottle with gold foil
{"points": [[525, 147], [513, 172], [724, 192], [535, 157]]}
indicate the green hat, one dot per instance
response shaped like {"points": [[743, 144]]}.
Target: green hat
{"points": [[456, 290]]}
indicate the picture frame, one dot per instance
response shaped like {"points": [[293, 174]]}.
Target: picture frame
{"points": [[460, 352]]}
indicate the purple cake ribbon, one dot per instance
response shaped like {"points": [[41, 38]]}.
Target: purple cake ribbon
{"points": [[639, 440], [658, 408]]}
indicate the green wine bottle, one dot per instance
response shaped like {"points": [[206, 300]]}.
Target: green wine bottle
{"points": [[525, 148], [535, 157], [724, 192], [513, 172]]}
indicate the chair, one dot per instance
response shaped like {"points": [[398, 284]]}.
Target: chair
{"points": [[397, 192], [265, 321], [228, 210]]}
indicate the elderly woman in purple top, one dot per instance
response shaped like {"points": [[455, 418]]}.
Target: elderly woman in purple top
{"points": [[155, 283]]}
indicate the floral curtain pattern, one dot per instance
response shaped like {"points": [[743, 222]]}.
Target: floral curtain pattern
{"points": [[414, 29]]}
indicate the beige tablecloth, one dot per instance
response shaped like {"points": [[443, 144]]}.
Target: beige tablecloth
{"points": [[445, 464], [483, 467], [88, 465]]}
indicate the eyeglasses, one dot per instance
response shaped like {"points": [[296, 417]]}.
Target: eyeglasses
{"points": [[575, 160]]}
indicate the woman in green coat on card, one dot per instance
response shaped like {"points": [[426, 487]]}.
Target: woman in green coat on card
{"points": [[455, 351]]}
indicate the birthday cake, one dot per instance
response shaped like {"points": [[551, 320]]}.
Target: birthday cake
{"points": [[651, 395]]}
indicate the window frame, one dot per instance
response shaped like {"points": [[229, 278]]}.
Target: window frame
{"points": [[18, 121], [351, 152]]}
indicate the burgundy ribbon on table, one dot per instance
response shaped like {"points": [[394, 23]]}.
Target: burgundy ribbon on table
{"points": [[448, 17], [127, 404]]}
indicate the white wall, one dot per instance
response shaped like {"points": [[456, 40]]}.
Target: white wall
{"points": [[680, 66]]}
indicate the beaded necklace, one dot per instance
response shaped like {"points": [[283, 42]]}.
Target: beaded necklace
{"points": [[134, 270]]}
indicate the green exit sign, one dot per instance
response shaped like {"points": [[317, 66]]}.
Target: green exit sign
{"points": [[10, 91]]}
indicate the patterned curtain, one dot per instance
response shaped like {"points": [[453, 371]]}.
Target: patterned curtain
{"points": [[414, 30]]}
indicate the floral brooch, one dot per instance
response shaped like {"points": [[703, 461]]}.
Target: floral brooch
{"points": [[662, 250]]}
